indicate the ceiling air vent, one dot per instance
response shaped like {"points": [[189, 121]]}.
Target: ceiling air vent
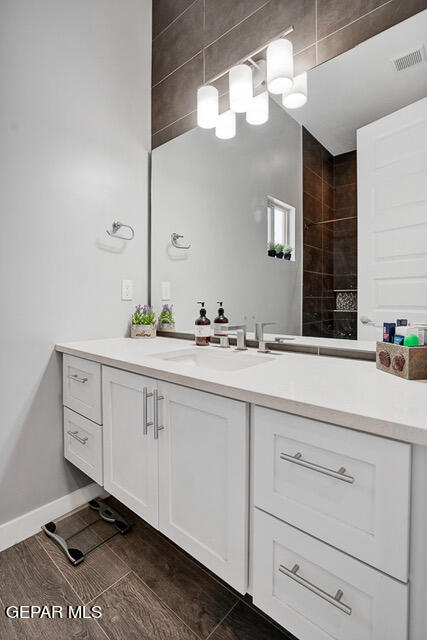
{"points": [[410, 59]]}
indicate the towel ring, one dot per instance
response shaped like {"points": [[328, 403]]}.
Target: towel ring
{"points": [[174, 239], [119, 225]]}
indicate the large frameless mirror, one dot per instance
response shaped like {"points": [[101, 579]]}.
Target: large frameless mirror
{"points": [[277, 221]]}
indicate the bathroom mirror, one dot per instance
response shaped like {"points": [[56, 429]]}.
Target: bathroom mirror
{"points": [[295, 181]]}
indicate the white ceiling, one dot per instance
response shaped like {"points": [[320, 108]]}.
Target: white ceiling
{"points": [[362, 85]]}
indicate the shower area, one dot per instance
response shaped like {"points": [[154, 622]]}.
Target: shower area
{"points": [[329, 241]]}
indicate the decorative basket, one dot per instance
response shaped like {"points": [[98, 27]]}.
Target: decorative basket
{"points": [[143, 331], [405, 362], [165, 325]]}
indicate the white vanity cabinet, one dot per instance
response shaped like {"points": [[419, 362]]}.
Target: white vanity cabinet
{"points": [[179, 459], [337, 521]]}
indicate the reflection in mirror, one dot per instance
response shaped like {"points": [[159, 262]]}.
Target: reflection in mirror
{"points": [[222, 196], [316, 219]]}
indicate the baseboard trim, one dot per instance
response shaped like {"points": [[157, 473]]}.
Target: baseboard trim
{"points": [[29, 523]]}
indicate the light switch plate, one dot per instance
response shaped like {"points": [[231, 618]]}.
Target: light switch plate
{"points": [[127, 289], [166, 290]]}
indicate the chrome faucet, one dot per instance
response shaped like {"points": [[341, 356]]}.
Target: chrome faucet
{"points": [[240, 333], [259, 335]]}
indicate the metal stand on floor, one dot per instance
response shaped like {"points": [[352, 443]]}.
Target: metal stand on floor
{"points": [[76, 544]]}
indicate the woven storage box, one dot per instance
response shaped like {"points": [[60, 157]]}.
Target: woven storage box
{"points": [[405, 362]]}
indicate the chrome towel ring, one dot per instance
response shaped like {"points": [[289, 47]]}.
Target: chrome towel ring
{"points": [[174, 239], [119, 225]]}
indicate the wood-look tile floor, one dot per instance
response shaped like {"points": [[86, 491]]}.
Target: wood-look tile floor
{"points": [[147, 588]]}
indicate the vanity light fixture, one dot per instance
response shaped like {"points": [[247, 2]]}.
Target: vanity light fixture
{"points": [[257, 112], [226, 125], [241, 88], [276, 72], [297, 96], [207, 107], [280, 66]]}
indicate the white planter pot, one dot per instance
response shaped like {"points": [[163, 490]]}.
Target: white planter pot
{"points": [[143, 331]]}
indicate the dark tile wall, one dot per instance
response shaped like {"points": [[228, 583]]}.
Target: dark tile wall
{"points": [[345, 237], [330, 250], [193, 40], [318, 203]]}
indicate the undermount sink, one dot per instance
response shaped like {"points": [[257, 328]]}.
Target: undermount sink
{"points": [[214, 358]]}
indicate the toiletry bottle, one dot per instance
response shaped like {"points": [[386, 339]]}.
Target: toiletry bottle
{"points": [[202, 329], [389, 331], [220, 323]]}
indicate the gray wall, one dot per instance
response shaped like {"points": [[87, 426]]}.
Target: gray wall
{"points": [[74, 141], [214, 192]]}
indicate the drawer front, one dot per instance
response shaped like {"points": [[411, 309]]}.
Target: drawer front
{"points": [[82, 387], [347, 488], [83, 444], [319, 593]]}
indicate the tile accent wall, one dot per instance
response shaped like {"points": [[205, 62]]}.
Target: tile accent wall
{"points": [[318, 203], [193, 40], [330, 250], [345, 238]]}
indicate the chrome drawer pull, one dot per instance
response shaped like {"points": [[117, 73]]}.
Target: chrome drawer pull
{"points": [[334, 600], [74, 435], [145, 424], [77, 378], [338, 475], [156, 399]]}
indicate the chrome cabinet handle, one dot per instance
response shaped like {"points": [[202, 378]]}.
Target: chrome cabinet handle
{"points": [[74, 435], [338, 475], [334, 600], [77, 378], [157, 427], [145, 424]]}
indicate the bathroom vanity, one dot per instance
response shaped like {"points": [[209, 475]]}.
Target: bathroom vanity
{"points": [[300, 479]]}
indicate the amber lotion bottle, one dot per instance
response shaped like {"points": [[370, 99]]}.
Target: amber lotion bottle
{"points": [[202, 329], [220, 323]]}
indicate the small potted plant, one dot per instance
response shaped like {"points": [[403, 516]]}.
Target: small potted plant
{"points": [[271, 249], [288, 253], [166, 318], [143, 322], [279, 251]]}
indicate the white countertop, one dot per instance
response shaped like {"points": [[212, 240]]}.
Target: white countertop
{"points": [[351, 393]]}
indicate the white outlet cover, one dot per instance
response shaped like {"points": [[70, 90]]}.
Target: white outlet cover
{"points": [[127, 289]]}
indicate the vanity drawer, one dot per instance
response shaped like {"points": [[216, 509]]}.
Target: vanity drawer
{"points": [[83, 444], [319, 593], [348, 488], [82, 387]]}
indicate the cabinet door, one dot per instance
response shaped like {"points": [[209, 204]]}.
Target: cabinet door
{"points": [[203, 479], [130, 454]]}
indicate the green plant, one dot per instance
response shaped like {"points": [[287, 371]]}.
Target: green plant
{"points": [[279, 248], [271, 246], [288, 249], [166, 315], [143, 315]]}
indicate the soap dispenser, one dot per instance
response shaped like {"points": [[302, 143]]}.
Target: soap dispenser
{"points": [[220, 323], [202, 329]]}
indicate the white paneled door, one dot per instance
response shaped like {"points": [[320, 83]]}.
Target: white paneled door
{"points": [[392, 217], [130, 451], [203, 479]]}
